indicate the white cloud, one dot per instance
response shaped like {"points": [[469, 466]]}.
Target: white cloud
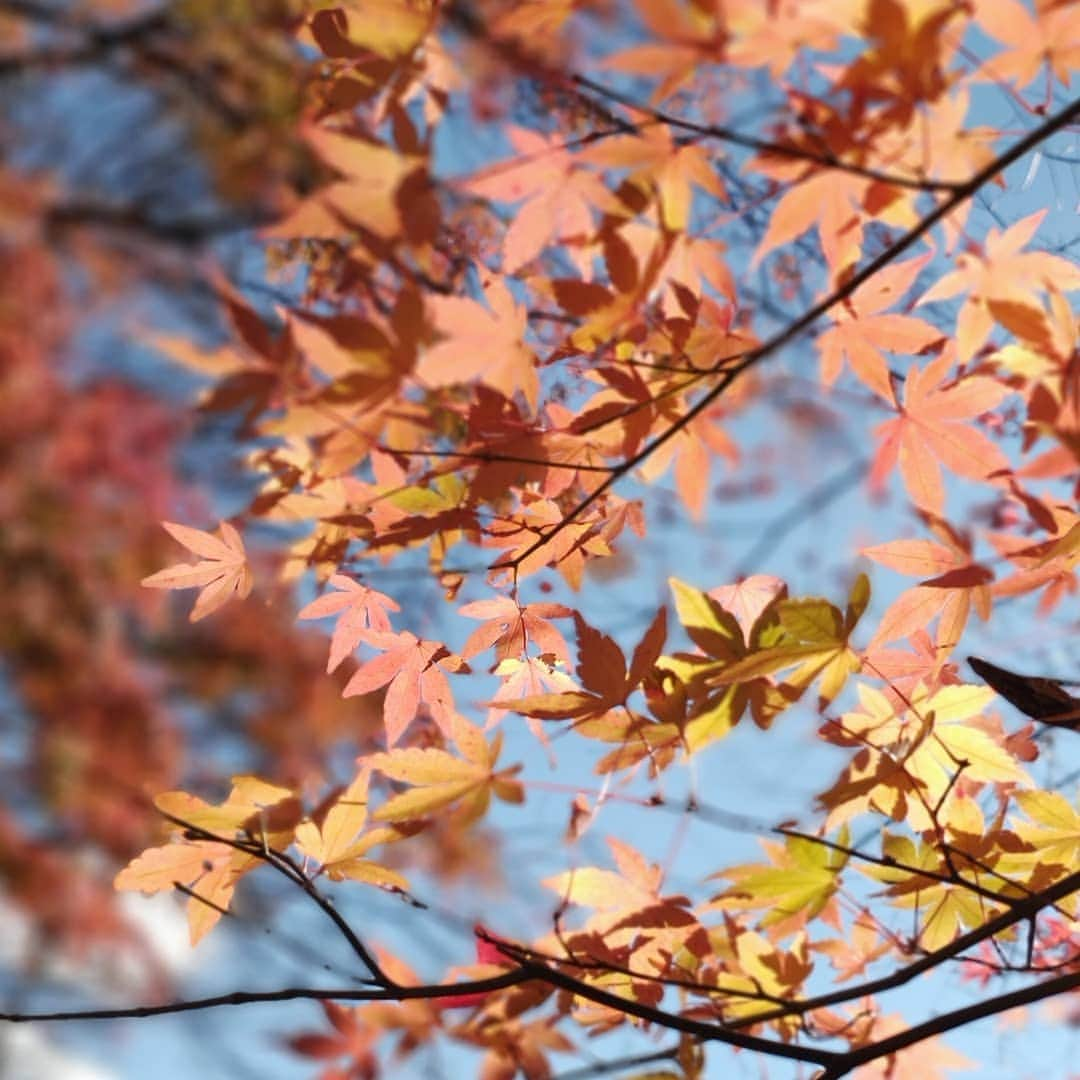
{"points": [[26, 1054]]}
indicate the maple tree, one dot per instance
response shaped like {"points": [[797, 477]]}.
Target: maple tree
{"points": [[515, 266]]}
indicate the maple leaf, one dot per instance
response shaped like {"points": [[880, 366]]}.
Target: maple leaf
{"points": [[1002, 285], [1054, 828], [811, 635], [910, 755], [754, 966], [1042, 699], [525, 535], [748, 598], [797, 883], [389, 28], [716, 703], [929, 1060], [686, 38], [253, 808], [367, 196], [358, 608], [524, 1046], [532, 676], [774, 37], [351, 1038], [720, 638], [334, 843], [558, 198], [438, 779], [903, 670], [415, 670], [598, 707], [206, 871], [692, 262], [481, 341], [829, 200], [655, 158], [693, 449], [943, 145], [1049, 564], [222, 572], [930, 432], [638, 927], [944, 909], [954, 584], [605, 680], [253, 374], [862, 329], [1049, 37], [488, 955], [907, 58], [509, 628], [636, 884], [851, 955]]}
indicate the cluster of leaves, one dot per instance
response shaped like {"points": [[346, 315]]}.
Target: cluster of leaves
{"points": [[97, 677], [495, 368]]}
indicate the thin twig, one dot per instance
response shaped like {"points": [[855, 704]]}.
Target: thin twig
{"points": [[285, 866], [824, 158]]}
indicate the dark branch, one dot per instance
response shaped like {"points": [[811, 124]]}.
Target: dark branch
{"points": [[773, 345], [301, 993], [768, 146], [575, 84], [949, 1021], [1024, 909], [96, 41], [285, 866], [186, 232]]}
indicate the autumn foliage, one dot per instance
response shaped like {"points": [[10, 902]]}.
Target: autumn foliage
{"points": [[548, 297]]}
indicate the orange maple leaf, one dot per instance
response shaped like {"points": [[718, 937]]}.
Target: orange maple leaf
{"points": [[862, 329], [1051, 36], [557, 198], [831, 200], [606, 681], [928, 1060], [687, 36], [481, 342], [931, 430], [222, 572], [415, 670], [634, 886], [672, 169], [529, 677], [359, 608], [205, 870], [437, 778], [509, 627], [1002, 284], [954, 582]]}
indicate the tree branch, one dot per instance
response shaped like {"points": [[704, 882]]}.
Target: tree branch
{"points": [[98, 41], [767, 146], [471, 25], [1022, 910], [775, 343], [949, 1021], [297, 993], [284, 865], [186, 232]]}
